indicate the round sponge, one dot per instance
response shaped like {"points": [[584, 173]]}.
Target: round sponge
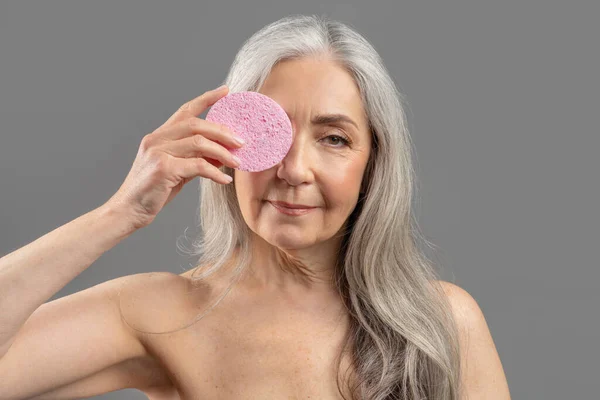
{"points": [[261, 122]]}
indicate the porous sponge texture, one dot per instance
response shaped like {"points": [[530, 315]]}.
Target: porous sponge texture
{"points": [[261, 122]]}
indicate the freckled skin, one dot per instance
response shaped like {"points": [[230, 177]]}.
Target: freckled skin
{"points": [[318, 171]]}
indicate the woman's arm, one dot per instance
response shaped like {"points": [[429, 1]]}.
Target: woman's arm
{"points": [[32, 274]]}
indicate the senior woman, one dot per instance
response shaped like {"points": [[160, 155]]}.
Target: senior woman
{"points": [[335, 301]]}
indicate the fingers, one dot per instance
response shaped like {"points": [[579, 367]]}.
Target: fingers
{"points": [[196, 106], [189, 168], [194, 126], [199, 146]]}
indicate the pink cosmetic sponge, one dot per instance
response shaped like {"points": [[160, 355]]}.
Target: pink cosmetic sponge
{"points": [[261, 122]]}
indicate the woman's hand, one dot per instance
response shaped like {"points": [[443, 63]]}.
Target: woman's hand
{"points": [[179, 150]]}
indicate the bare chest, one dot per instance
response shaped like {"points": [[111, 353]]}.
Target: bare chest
{"points": [[255, 351]]}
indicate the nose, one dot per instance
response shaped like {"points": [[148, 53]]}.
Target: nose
{"points": [[295, 167]]}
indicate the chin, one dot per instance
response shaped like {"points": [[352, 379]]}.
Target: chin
{"points": [[289, 241]]}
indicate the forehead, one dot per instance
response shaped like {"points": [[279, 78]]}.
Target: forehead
{"points": [[314, 86]]}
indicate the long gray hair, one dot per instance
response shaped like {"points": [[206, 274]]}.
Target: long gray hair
{"points": [[403, 339]]}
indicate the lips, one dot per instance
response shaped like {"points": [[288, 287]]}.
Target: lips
{"points": [[291, 206], [290, 211]]}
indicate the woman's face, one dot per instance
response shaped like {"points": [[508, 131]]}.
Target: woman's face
{"points": [[320, 169]]}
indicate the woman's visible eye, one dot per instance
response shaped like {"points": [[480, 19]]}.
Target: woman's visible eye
{"points": [[339, 139]]}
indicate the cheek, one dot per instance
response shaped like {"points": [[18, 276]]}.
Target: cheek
{"points": [[250, 189], [343, 185]]}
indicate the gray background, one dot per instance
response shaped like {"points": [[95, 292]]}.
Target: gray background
{"points": [[504, 104]]}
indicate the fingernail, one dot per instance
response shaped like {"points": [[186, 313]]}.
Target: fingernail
{"points": [[220, 87], [239, 140]]}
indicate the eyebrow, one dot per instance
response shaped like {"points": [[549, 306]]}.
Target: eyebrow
{"points": [[326, 119]]}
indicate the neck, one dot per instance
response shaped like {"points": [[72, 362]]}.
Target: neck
{"points": [[304, 272]]}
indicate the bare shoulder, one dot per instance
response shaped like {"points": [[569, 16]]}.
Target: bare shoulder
{"points": [[483, 375], [465, 307], [155, 301], [154, 284]]}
